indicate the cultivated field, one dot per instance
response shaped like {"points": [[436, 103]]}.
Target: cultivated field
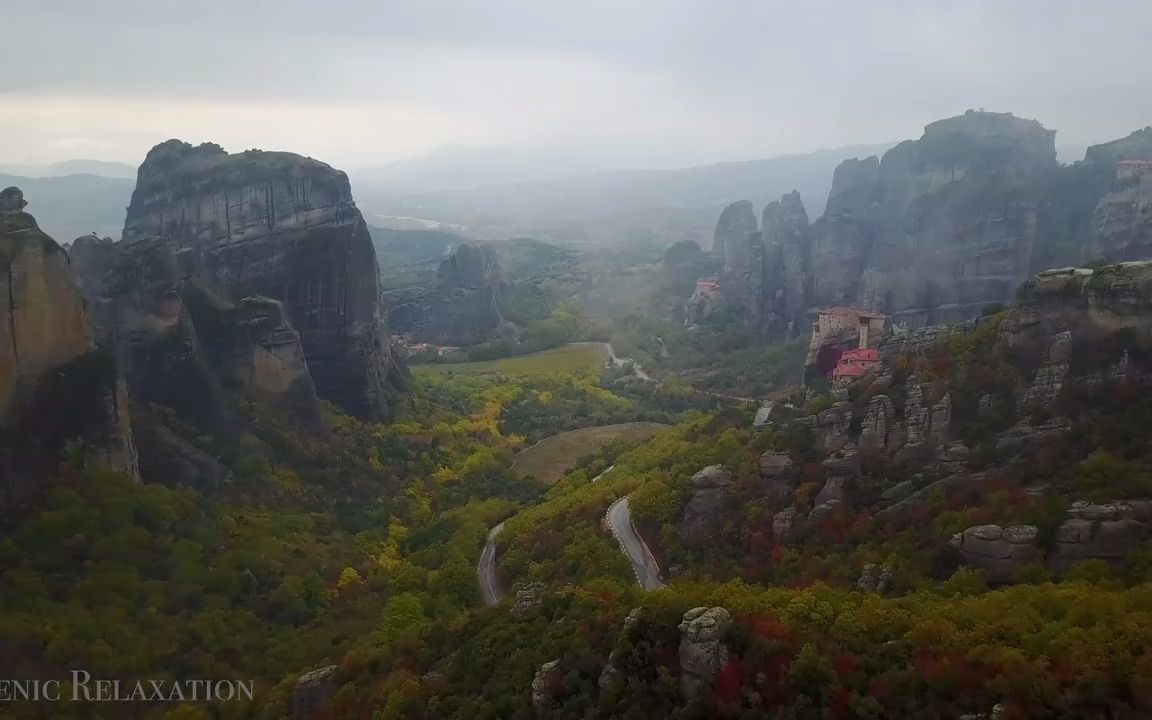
{"points": [[577, 356], [548, 459]]}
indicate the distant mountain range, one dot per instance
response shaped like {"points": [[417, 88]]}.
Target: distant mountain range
{"points": [[651, 206], [490, 193], [104, 168], [73, 205]]}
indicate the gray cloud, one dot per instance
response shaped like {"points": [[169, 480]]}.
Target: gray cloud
{"points": [[733, 78]]}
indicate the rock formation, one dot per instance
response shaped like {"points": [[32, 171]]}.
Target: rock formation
{"points": [[315, 690], [875, 579], [544, 684], [275, 225], [55, 386], [459, 308], [1122, 220], [44, 323], [610, 671], [999, 552], [702, 650], [1108, 532], [709, 492], [878, 420], [778, 471], [941, 227], [787, 266], [730, 241]]}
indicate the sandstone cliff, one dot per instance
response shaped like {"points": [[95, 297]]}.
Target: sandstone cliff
{"points": [[945, 226], [280, 226], [55, 386], [730, 241], [1122, 221], [459, 307], [787, 265], [43, 314]]}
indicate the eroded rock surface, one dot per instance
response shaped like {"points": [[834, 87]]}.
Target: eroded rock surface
{"points": [[702, 650], [55, 386], [709, 492], [276, 225], [999, 552], [315, 690]]}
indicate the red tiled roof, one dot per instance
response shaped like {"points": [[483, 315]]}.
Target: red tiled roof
{"points": [[848, 371]]}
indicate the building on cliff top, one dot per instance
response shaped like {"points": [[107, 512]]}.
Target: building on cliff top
{"points": [[1128, 169], [708, 287], [838, 330], [837, 321]]}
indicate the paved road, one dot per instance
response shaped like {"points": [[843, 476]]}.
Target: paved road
{"points": [[606, 471], [486, 569], [619, 361], [643, 564]]}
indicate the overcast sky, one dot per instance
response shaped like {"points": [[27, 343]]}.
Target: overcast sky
{"points": [[360, 83]]}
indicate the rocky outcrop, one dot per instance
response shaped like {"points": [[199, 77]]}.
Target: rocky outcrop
{"points": [[528, 597], [544, 684], [730, 240], [43, 322], [875, 579], [1025, 436], [459, 308], [1122, 221], [879, 419], [956, 223], [1045, 387], [276, 225], [999, 552], [952, 458], [782, 524], [314, 692], [787, 265], [611, 671], [710, 488], [702, 650], [934, 232], [778, 472], [252, 345], [830, 427], [1106, 532], [168, 458], [55, 386]]}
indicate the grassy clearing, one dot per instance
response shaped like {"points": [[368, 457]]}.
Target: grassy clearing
{"points": [[577, 356], [549, 459]]}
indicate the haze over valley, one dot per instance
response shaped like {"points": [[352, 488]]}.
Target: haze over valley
{"points": [[540, 360]]}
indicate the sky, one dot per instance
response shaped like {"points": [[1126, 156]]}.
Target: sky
{"points": [[358, 83]]}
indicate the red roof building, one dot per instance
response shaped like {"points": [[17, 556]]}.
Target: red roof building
{"points": [[855, 363]]}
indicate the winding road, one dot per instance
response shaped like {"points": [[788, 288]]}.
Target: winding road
{"points": [[618, 517], [490, 588], [643, 563]]}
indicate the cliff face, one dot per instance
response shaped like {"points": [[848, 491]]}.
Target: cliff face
{"points": [[934, 232], [1122, 222], [55, 386], [459, 307], [280, 226], [1090, 305], [42, 324], [730, 240], [941, 227], [787, 264]]}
